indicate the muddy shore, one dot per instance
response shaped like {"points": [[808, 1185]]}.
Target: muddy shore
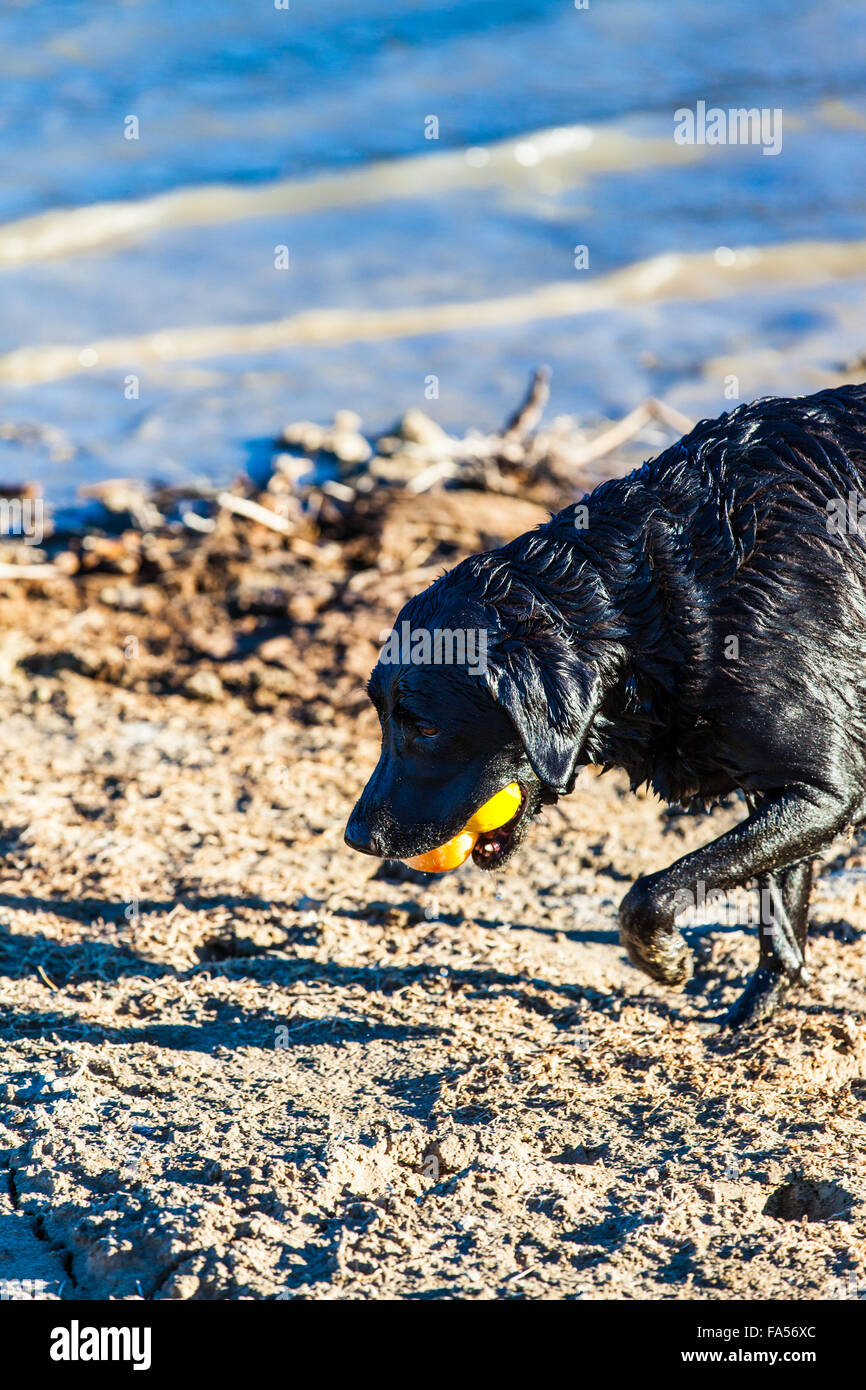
{"points": [[241, 1062]]}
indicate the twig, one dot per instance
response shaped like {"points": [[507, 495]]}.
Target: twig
{"points": [[432, 475], [28, 571], [253, 511], [203, 524], [629, 426], [522, 1273], [669, 415], [528, 414]]}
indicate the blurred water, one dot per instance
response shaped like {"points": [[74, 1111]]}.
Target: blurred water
{"points": [[305, 127]]}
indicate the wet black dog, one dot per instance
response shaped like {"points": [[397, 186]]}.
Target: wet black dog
{"points": [[700, 623]]}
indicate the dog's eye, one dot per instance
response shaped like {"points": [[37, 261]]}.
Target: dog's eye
{"points": [[427, 730]]}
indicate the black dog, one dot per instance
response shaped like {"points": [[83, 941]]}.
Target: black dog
{"points": [[700, 623]]}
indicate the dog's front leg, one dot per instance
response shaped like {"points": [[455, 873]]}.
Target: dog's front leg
{"points": [[786, 828]]}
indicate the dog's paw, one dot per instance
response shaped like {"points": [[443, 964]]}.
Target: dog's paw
{"points": [[765, 990], [650, 936], [665, 957]]}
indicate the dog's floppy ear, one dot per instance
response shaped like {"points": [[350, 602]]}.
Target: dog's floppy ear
{"points": [[550, 696]]}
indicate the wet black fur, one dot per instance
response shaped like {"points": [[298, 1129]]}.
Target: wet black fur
{"points": [[697, 623]]}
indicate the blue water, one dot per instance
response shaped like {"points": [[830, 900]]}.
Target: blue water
{"points": [[243, 94]]}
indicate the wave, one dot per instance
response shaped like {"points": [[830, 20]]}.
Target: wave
{"points": [[675, 276], [568, 153], [573, 152]]}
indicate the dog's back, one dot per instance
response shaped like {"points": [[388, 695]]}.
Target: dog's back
{"points": [[737, 560]]}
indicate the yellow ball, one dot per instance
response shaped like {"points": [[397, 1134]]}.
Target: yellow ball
{"points": [[497, 811]]}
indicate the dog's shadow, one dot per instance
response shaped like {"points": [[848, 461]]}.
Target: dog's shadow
{"points": [[71, 965]]}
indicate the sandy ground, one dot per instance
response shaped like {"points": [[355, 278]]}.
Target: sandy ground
{"points": [[242, 1062]]}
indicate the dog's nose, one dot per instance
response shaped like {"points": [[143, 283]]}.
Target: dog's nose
{"points": [[359, 836]]}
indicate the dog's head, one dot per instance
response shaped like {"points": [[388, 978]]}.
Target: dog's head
{"points": [[472, 695]]}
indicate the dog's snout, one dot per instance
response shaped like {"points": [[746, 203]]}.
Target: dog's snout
{"points": [[360, 835]]}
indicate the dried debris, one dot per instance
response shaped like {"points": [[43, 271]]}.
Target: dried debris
{"points": [[321, 554]]}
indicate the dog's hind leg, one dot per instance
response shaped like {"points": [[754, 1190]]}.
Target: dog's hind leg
{"points": [[784, 924]]}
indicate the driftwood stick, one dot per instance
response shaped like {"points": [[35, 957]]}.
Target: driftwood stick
{"points": [[629, 426], [614, 435], [436, 473], [253, 511], [28, 571], [669, 415], [529, 412]]}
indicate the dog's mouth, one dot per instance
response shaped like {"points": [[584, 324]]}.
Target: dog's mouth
{"points": [[493, 847]]}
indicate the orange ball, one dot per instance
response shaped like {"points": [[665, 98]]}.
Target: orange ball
{"points": [[450, 856]]}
